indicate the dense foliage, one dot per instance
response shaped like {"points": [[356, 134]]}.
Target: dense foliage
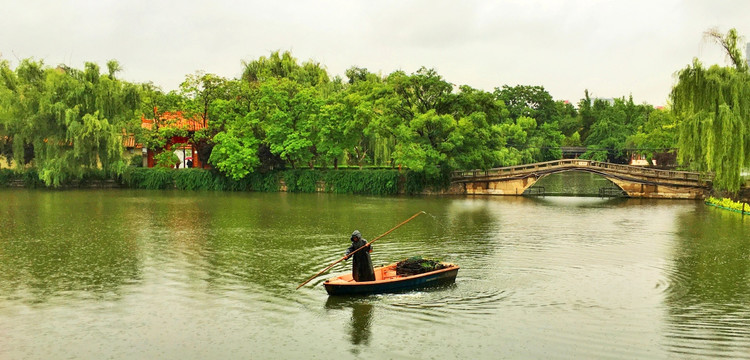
{"points": [[370, 182], [713, 105], [64, 121], [286, 114], [729, 204], [6, 175]]}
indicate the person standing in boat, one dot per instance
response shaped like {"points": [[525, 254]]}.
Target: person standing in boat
{"points": [[362, 264]]}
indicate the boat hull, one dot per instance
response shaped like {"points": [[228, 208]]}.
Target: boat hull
{"points": [[387, 282]]}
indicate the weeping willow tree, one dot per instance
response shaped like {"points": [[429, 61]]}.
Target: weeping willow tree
{"points": [[713, 106], [70, 120]]}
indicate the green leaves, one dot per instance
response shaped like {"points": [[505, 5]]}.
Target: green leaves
{"points": [[284, 66], [611, 122], [423, 143], [234, 155], [288, 113], [713, 106], [529, 101], [729, 204], [284, 113], [69, 121]]}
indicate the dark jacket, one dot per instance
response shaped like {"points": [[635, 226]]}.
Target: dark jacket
{"points": [[362, 263]]}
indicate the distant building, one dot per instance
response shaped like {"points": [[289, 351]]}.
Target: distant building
{"points": [[572, 152], [639, 159], [661, 159], [609, 101], [182, 146]]}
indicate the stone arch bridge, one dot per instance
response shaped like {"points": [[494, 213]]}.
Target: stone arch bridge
{"points": [[635, 181]]}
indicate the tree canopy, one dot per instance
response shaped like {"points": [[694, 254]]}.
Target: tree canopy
{"points": [[713, 107], [65, 121], [286, 113]]}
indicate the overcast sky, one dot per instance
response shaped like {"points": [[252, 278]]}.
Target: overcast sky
{"points": [[612, 48]]}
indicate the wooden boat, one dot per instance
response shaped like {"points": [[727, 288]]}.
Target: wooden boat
{"points": [[386, 280]]}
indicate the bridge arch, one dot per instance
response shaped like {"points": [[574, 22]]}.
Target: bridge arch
{"points": [[613, 189], [634, 180]]}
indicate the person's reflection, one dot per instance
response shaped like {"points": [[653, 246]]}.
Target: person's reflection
{"points": [[361, 317], [361, 320]]}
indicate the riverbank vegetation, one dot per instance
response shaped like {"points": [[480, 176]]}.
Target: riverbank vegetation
{"points": [[713, 105], [285, 114], [366, 181], [729, 204]]}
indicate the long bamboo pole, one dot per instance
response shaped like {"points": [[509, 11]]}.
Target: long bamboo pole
{"points": [[363, 246]]}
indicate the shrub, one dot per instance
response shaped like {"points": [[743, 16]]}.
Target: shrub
{"points": [[302, 180], [31, 179], [729, 204], [416, 182], [370, 182], [93, 175], [148, 178], [136, 161], [196, 179], [6, 176], [373, 182]]}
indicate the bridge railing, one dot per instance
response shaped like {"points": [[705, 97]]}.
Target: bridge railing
{"points": [[510, 171], [657, 173]]}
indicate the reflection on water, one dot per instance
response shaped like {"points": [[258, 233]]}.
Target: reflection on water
{"points": [[141, 274], [572, 183], [361, 318], [708, 303], [47, 250]]}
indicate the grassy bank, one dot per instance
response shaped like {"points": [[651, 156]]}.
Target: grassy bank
{"points": [[729, 204], [368, 182]]}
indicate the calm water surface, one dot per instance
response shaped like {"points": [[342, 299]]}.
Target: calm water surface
{"points": [[196, 275]]}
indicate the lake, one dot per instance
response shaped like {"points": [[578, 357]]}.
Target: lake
{"points": [[125, 274]]}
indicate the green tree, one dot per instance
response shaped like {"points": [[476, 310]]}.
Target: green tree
{"points": [[514, 140], [199, 91], [423, 144], [573, 140], [658, 134], [435, 130], [469, 100], [606, 139], [235, 150], [7, 99], [288, 114], [398, 101], [73, 120], [345, 128], [284, 66], [347, 123], [530, 101], [477, 144], [568, 120], [586, 113], [545, 142], [713, 108], [419, 93], [613, 121]]}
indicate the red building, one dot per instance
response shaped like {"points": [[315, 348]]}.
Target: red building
{"points": [[176, 120]]}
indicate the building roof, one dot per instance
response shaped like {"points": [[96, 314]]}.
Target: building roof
{"points": [[175, 119]]}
